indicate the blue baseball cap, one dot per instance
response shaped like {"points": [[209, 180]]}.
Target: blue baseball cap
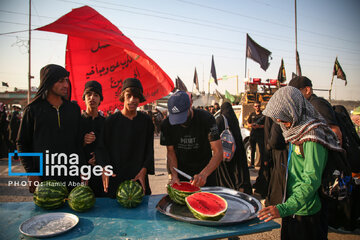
{"points": [[178, 106]]}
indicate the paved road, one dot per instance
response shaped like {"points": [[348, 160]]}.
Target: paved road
{"points": [[18, 193]]}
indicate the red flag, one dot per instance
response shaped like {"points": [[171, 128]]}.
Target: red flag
{"points": [[98, 50]]}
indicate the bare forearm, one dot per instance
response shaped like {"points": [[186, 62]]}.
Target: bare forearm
{"points": [[172, 161], [215, 160]]}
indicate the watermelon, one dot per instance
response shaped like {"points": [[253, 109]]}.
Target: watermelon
{"points": [[81, 198], [178, 192], [129, 194], [50, 194], [206, 206]]}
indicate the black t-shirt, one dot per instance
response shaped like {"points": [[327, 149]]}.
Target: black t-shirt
{"points": [[88, 124], [128, 146], [258, 119], [324, 108], [191, 144]]}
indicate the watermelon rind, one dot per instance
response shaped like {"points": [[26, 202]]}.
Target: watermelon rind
{"points": [[206, 203], [178, 196], [50, 194], [129, 194], [81, 198]]}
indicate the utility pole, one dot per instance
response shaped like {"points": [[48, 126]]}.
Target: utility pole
{"points": [[296, 54], [29, 75]]}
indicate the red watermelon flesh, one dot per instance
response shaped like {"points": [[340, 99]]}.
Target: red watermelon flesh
{"points": [[185, 187], [207, 206], [178, 192]]}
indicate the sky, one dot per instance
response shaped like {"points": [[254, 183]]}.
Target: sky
{"points": [[181, 35]]}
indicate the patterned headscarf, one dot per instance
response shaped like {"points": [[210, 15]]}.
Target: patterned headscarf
{"points": [[289, 105]]}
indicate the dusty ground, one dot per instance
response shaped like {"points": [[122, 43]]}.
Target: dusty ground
{"points": [[9, 193]]}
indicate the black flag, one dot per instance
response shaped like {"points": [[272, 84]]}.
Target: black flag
{"points": [[180, 84], [298, 68], [257, 53], [196, 80], [218, 94], [213, 71], [282, 73], [4, 84], [338, 72]]}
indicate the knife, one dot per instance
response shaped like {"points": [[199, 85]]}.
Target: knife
{"points": [[183, 174]]}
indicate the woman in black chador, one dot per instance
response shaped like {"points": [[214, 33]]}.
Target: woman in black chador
{"points": [[233, 174]]}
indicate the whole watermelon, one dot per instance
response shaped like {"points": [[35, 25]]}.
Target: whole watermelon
{"points": [[207, 206], [129, 194], [81, 198], [50, 194], [178, 192]]}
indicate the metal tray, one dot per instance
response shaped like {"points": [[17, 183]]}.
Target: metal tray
{"points": [[48, 225], [241, 207]]}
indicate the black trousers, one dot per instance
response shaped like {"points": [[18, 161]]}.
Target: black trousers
{"points": [[313, 227]]}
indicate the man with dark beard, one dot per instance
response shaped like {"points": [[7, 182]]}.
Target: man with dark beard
{"points": [[50, 125]]}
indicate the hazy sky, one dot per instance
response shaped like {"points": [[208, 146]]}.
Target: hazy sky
{"points": [[183, 34]]}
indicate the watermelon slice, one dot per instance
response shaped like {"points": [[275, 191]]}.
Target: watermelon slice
{"points": [[206, 206], [178, 192]]}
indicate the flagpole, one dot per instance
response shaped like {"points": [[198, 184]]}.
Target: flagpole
{"points": [[297, 73], [246, 56], [29, 76], [332, 79], [237, 85], [203, 80], [192, 89], [209, 85]]}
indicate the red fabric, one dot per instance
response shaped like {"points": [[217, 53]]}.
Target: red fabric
{"points": [[97, 50]]}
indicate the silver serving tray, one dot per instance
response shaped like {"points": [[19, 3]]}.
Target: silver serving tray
{"points": [[241, 207], [49, 224]]}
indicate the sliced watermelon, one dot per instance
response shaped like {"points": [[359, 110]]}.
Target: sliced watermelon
{"points": [[207, 206], [178, 192]]}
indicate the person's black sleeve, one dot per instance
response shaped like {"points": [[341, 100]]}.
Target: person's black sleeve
{"points": [[149, 149], [101, 152], [213, 131], [325, 110], [25, 138], [249, 120], [276, 139], [220, 123], [165, 136]]}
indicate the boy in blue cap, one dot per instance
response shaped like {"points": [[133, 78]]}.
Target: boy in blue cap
{"points": [[192, 139]]}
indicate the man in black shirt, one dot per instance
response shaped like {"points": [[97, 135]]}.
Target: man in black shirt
{"points": [[256, 122], [127, 141], [325, 109], [192, 139], [91, 125], [50, 125]]}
